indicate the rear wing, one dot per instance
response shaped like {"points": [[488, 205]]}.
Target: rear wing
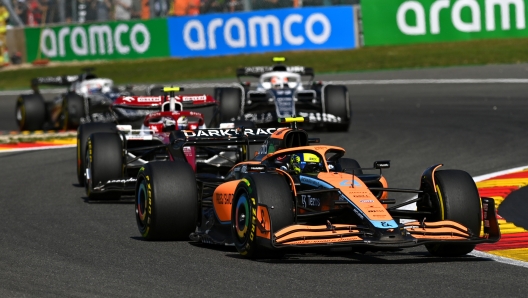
{"points": [[257, 71], [65, 80], [221, 136], [218, 137], [191, 101], [53, 81]]}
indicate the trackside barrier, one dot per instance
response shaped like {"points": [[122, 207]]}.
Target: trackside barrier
{"points": [[99, 41], [263, 31], [418, 21], [321, 28], [381, 22]]}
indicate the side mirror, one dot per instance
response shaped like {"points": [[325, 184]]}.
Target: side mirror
{"points": [[382, 164]]}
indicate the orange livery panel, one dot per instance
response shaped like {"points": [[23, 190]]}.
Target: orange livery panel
{"points": [[358, 193], [223, 198]]}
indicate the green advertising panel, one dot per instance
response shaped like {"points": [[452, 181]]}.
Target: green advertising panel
{"points": [[387, 22], [99, 41]]}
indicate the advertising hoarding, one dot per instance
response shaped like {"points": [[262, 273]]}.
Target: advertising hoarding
{"points": [[98, 41], [388, 22], [262, 31]]}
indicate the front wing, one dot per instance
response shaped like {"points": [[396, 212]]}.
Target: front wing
{"points": [[406, 235]]}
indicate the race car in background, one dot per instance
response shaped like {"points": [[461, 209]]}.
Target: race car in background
{"points": [[280, 93], [86, 99], [298, 195], [109, 155]]}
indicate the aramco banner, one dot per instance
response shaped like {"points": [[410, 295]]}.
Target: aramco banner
{"points": [[99, 41], [413, 21], [262, 31]]}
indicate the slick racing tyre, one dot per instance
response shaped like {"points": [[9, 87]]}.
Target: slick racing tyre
{"points": [[166, 201], [350, 166], [229, 105], [254, 190], [104, 162], [30, 112], [460, 201], [337, 103], [83, 132], [72, 111]]}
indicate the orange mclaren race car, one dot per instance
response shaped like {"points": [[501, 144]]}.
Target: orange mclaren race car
{"points": [[298, 195]]}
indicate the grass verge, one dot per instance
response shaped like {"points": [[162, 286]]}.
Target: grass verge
{"points": [[497, 51]]}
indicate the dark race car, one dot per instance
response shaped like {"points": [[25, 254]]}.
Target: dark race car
{"points": [[86, 99], [300, 195], [280, 92], [110, 155]]}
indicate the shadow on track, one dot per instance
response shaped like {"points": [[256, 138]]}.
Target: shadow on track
{"points": [[349, 257], [371, 258], [126, 200]]}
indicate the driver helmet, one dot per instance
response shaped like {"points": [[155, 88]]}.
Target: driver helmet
{"points": [[95, 88], [106, 88], [279, 83], [183, 122], [305, 163]]}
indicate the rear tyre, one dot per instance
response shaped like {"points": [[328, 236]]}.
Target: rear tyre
{"points": [[260, 189], [30, 112], [229, 105], [350, 165], [72, 111], [337, 104], [104, 162], [83, 132], [166, 201], [460, 199]]}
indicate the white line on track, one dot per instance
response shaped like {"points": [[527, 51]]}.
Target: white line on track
{"points": [[499, 173], [480, 254], [431, 81], [142, 87]]}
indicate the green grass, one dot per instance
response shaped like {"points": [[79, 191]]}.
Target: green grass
{"points": [[497, 51]]}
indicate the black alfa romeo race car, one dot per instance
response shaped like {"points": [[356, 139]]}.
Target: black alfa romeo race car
{"points": [[87, 99], [299, 195], [109, 155], [280, 92]]}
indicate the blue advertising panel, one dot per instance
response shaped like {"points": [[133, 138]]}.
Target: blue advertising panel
{"points": [[262, 31]]}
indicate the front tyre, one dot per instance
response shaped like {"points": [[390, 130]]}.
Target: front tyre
{"points": [[104, 162], [83, 132], [229, 105], [259, 191], [337, 103], [166, 201], [460, 201]]}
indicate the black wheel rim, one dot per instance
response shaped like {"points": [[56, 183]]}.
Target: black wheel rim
{"points": [[242, 217], [141, 211]]}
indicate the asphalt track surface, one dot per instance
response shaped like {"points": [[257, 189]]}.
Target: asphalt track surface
{"points": [[55, 243]]}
